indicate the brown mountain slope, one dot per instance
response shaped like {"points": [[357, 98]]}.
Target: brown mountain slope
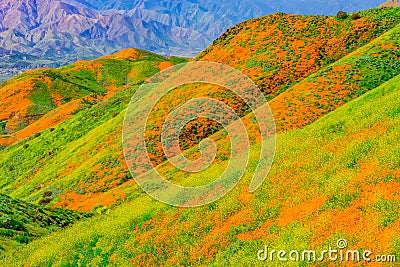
{"points": [[56, 30]]}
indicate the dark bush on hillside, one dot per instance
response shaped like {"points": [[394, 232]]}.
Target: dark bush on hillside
{"points": [[342, 15], [22, 239], [45, 201], [355, 16], [7, 233], [9, 223], [47, 194]]}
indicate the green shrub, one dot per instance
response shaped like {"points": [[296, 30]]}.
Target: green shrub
{"points": [[342, 15], [47, 194], [355, 16], [45, 201], [7, 233], [10, 223], [22, 239]]}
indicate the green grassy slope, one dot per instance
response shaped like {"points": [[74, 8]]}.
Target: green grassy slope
{"points": [[63, 156], [345, 166], [21, 222]]}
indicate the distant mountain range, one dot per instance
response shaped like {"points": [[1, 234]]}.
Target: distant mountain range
{"points": [[41, 33]]}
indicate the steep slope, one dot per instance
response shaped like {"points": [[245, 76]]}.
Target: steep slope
{"points": [[338, 83], [22, 222], [338, 178], [279, 50]]}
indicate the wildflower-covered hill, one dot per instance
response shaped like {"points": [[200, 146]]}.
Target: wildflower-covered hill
{"points": [[40, 99], [333, 87], [337, 178], [279, 50]]}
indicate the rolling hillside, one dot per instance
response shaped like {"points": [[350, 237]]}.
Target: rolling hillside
{"points": [[61, 157], [40, 99], [338, 178], [333, 87]]}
